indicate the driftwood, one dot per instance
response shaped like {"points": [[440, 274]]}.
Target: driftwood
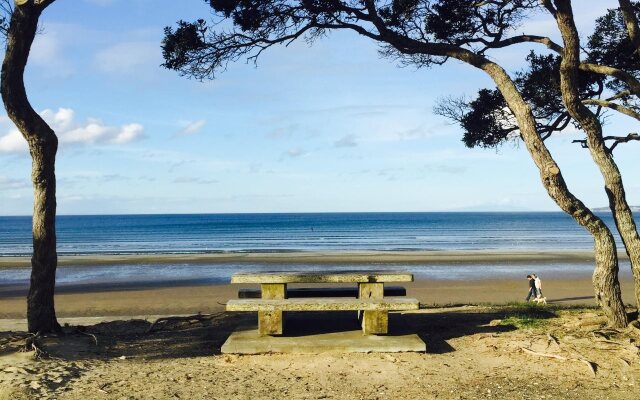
{"points": [[590, 364]]}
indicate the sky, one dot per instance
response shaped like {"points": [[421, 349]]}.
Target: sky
{"points": [[331, 127]]}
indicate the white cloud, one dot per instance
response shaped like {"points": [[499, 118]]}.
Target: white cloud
{"points": [[192, 127], [70, 131], [129, 57], [13, 142]]}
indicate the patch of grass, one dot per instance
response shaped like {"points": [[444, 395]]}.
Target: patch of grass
{"points": [[527, 315], [523, 322]]}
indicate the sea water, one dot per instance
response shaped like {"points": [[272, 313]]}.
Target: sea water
{"points": [[210, 233], [324, 232]]}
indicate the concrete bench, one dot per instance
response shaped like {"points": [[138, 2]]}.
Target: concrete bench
{"points": [[371, 300], [324, 304], [293, 293]]}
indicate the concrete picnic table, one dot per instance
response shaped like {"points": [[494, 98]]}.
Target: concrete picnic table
{"points": [[370, 300]]}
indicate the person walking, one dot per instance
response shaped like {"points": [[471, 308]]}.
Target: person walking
{"points": [[538, 285], [532, 288]]}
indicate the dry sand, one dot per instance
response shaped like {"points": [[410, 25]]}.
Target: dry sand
{"points": [[473, 353]]}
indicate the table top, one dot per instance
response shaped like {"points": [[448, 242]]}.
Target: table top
{"points": [[322, 277]]}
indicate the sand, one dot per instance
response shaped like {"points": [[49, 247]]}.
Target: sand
{"points": [[187, 297], [360, 257], [474, 351]]}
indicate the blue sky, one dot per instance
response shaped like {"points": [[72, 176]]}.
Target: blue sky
{"points": [[331, 127]]}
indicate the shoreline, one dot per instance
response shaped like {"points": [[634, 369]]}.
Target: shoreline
{"points": [[105, 300], [337, 257]]}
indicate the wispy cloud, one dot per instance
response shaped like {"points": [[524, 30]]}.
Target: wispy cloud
{"points": [[294, 153], [7, 183], [346, 141], [191, 127], [194, 180], [47, 52], [128, 58], [70, 131], [81, 178]]}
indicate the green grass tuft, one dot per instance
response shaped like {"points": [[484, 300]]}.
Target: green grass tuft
{"points": [[527, 315]]}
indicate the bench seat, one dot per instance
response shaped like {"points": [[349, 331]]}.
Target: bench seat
{"points": [[321, 277], [324, 304], [322, 292]]}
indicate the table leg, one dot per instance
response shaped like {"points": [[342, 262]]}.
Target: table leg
{"points": [[272, 322], [373, 322]]}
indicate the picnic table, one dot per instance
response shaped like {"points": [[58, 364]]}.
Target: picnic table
{"points": [[372, 297]]}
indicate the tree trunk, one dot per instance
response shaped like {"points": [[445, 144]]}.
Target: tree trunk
{"points": [[605, 277], [631, 22], [601, 155], [41, 313], [43, 145]]}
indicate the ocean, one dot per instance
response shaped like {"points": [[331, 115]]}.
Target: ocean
{"points": [[312, 232], [210, 233]]}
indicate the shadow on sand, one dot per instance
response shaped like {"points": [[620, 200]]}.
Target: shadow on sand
{"points": [[181, 338]]}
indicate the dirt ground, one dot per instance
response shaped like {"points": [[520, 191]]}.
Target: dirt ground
{"points": [[505, 352]]}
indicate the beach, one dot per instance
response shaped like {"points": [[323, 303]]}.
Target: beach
{"points": [[482, 340], [441, 278]]}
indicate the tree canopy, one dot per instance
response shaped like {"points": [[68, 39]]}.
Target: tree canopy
{"points": [[539, 83]]}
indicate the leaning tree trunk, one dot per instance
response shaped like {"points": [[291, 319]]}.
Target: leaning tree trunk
{"points": [[605, 277], [601, 155], [43, 145]]}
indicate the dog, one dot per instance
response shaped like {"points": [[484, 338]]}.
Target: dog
{"points": [[540, 300]]}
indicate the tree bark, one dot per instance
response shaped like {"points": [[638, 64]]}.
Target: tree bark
{"points": [[43, 146], [631, 22], [614, 187]]}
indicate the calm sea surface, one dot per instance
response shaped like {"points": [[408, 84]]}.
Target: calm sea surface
{"points": [[207, 233], [210, 233]]}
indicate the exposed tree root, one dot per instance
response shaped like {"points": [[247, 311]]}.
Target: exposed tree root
{"points": [[590, 364], [191, 319], [81, 330]]}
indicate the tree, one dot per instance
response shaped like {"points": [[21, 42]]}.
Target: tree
{"points": [[562, 89], [43, 145], [415, 32]]}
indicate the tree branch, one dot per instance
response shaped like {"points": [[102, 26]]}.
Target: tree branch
{"points": [[614, 106], [634, 84], [616, 140]]}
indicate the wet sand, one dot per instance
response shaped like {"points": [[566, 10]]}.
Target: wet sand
{"points": [[189, 296], [114, 301], [417, 257]]}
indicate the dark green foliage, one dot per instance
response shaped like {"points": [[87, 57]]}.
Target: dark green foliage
{"points": [[610, 45], [186, 40], [539, 85], [485, 123], [200, 50]]}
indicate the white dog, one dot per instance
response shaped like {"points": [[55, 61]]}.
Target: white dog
{"points": [[540, 300]]}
